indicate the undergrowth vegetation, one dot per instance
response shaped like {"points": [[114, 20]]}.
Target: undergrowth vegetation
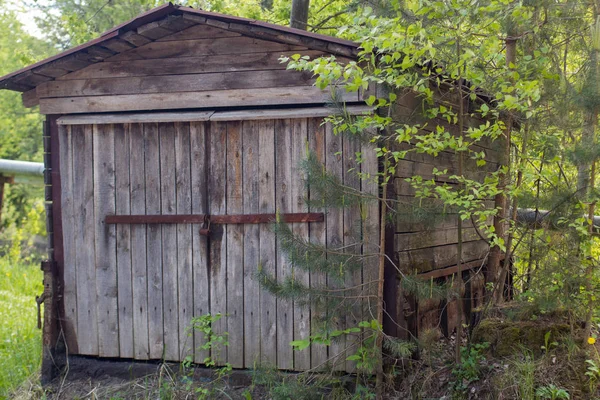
{"points": [[20, 340]]}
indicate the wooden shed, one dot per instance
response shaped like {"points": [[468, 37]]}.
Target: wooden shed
{"points": [[180, 122]]}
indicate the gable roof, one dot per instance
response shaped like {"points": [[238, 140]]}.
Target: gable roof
{"points": [[155, 24]]}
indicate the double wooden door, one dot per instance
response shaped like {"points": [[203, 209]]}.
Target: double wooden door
{"points": [[131, 290]]}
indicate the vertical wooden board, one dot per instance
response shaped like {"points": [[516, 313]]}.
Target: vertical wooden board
{"points": [[124, 271], [153, 242], [299, 140], [266, 205], [217, 166], [335, 239], [316, 140], [168, 205], [184, 237], [283, 203], [370, 186], [139, 282], [250, 190], [83, 208], [352, 244], [105, 241], [68, 222], [199, 242], [235, 246]]}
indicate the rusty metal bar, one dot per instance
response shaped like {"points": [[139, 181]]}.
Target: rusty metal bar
{"points": [[213, 219]]}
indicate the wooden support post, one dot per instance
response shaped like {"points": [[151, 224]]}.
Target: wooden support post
{"points": [[50, 325]]}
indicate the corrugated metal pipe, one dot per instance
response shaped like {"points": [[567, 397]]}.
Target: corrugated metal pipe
{"points": [[529, 217]]}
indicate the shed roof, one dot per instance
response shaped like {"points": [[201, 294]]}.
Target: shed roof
{"points": [[154, 24]]}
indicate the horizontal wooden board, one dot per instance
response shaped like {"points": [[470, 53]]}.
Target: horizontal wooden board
{"points": [[236, 46], [187, 65], [438, 237], [196, 116], [175, 83], [200, 31], [214, 219], [424, 260], [219, 98]]}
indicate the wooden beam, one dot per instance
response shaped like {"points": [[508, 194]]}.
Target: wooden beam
{"points": [[214, 219]]}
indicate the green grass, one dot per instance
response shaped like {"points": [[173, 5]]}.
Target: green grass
{"points": [[20, 340]]}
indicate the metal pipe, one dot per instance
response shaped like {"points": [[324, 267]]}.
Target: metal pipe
{"points": [[23, 171]]}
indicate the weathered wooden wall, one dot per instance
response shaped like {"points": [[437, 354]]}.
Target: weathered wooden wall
{"points": [[132, 290], [198, 67], [429, 247]]}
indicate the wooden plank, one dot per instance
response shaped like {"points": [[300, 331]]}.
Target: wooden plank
{"points": [[266, 204], [174, 83], [251, 249], [184, 237], [105, 241], [203, 47], [153, 30], [175, 23], [437, 237], [335, 238], [318, 234], [445, 272], [140, 275], [201, 31], [30, 98], [285, 113], [123, 241], [297, 194], [371, 229], [188, 65], [154, 242], [424, 260], [283, 203], [118, 45], [214, 219], [69, 244], [135, 38], [352, 243], [83, 119], [168, 205], [199, 242], [83, 208], [206, 99], [235, 247], [217, 197], [191, 116]]}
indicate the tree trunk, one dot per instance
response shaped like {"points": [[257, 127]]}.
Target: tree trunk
{"points": [[299, 15]]}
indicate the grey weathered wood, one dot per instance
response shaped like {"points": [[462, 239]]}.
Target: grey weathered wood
{"points": [[217, 197], [202, 31], [250, 190], [186, 116], [437, 237], [235, 246], [268, 302], [30, 98], [335, 234], [202, 47], [65, 140], [175, 23], [318, 234], [174, 83], [352, 242], [137, 193], [168, 205], [424, 260], [153, 30], [135, 38], [184, 238], [283, 203], [83, 201], [123, 241], [154, 242], [371, 218], [297, 194], [307, 112], [118, 45], [187, 65], [206, 99], [199, 242], [105, 241]]}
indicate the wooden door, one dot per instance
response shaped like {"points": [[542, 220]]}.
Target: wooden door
{"points": [[131, 290]]}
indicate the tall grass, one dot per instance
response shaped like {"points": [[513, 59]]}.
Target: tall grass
{"points": [[20, 340]]}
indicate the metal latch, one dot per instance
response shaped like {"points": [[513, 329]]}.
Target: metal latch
{"points": [[39, 300]]}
